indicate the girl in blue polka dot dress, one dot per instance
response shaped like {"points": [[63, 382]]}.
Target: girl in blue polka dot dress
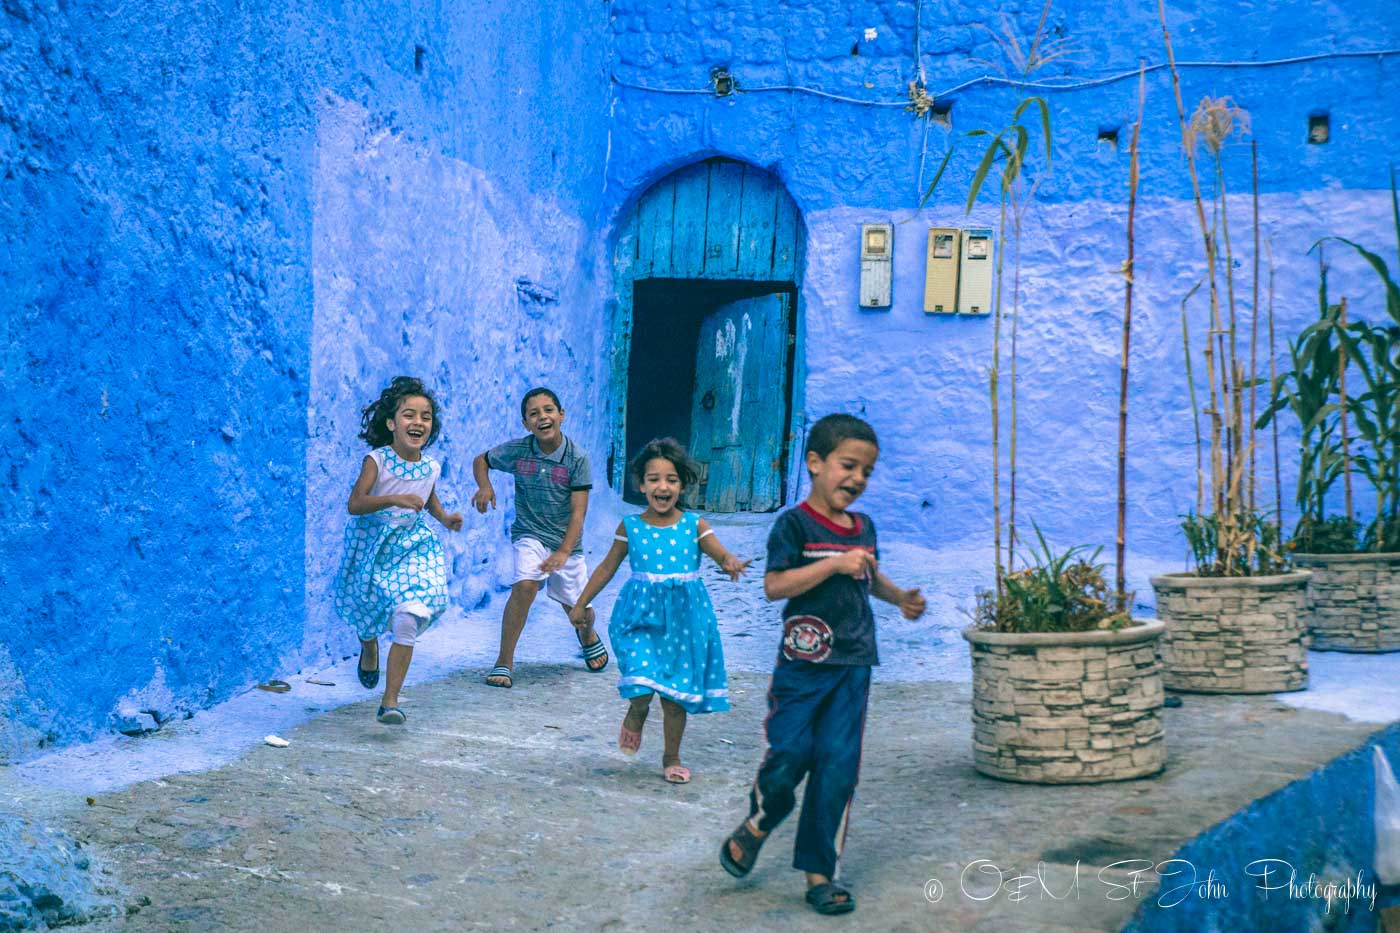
{"points": [[663, 629], [394, 575]]}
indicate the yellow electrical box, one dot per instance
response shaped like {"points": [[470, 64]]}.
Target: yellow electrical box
{"points": [[975, 278], [941, 274]]}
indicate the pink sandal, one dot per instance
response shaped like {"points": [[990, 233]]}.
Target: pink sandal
{"points": [[676, 774], [629, 741]]}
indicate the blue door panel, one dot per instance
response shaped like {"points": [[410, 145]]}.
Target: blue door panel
{"points": [[739, 403]]}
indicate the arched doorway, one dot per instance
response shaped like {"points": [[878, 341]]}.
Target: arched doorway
{"points": [[706, 331]]}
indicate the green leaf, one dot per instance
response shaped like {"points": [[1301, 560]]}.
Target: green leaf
{"points": [[937, 175], [1044, 121]]}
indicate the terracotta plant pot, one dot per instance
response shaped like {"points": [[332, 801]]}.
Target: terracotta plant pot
{"points": [[1353, 601], [1233, 634], [1067, 707]]}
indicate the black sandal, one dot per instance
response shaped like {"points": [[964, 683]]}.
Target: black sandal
{"points": [[368, 679], [593, 652], [830, 898], [748, 844]]}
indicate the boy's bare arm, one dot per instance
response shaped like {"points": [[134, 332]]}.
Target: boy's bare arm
{"points": [[911, 603], [785, 584], [485, 494], [884, 589], [578, 509], [601, 577]]}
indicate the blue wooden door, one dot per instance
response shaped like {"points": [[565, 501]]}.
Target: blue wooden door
{"points": [[739, 407]]}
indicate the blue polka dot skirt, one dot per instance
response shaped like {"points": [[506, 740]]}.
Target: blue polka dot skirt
{"points": [[388, 566], [663, 629]]}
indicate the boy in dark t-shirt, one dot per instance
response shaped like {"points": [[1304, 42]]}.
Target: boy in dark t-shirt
{"points": [[822, 558]]}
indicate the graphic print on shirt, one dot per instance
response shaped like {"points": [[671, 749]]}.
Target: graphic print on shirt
{"points": [[806, 638]]}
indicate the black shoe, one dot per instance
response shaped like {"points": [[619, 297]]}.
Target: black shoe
{"points": [[369, 679]]}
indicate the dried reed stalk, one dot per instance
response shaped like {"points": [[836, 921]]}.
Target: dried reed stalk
{"points": [[1273, 377], [1342, 399], [1129, 270], [1254, 315]]}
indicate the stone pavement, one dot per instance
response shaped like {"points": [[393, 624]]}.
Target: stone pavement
{"points": [[513, 809]]}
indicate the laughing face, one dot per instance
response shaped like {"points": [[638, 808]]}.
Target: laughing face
{"points": [[542, 419], [839, 478], [411, 425], [661, 484]]}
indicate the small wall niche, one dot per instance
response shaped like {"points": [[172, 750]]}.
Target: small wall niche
{"points": [[1108, 138], [1319, 127]]}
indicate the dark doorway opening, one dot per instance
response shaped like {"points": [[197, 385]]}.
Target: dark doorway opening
{"points": [[728, 401]]}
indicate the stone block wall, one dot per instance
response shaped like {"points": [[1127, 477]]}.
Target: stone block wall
{"points": [[1353, 601], [1233, 635], [1072, 708]]}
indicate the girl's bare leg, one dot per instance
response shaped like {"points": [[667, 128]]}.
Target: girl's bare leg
{"points": [[399, 656], [673, 718], [637, 709]]}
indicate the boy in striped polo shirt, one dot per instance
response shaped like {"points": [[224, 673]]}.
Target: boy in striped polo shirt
{"points": [[552, 480]]}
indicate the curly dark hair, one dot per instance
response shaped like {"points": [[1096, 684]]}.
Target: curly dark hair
{"points": [[374, 428], [664, 448]]}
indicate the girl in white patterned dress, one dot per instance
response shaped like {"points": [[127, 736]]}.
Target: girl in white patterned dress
{"points": [[663, 628], [394, 575]]}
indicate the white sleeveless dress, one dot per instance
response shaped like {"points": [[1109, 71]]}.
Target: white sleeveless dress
{"points": [[393, 561]]}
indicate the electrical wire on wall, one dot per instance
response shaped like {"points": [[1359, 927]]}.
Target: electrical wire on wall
{"points": [[1067, 85]]}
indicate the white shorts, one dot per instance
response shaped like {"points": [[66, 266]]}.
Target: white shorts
{"points": [[565, 584]]}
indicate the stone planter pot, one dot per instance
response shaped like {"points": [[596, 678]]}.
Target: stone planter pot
{"points": [[1353, 601], [1233, 634], [1067, 707]]}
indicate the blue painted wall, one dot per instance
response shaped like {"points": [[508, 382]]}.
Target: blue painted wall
{"points": [[188, 341], [227, 226], [1237, 875], [922, 379]]}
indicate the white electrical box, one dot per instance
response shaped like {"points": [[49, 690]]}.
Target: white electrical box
{"points": [[876, 264], [941, 275], [975, 278]]}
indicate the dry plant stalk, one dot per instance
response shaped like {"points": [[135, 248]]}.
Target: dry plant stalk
{"points": [[1254, 313], [1024, 62], [1195, 407], [1273, 377], [1120, 579], [1211, 126], [1342, 399]]}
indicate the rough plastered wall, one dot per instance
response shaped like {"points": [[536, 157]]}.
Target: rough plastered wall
{"points": [[922, 380], [185, 188]]}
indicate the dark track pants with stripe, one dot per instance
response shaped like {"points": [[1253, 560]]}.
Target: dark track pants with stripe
{"points": [[816, 720]]}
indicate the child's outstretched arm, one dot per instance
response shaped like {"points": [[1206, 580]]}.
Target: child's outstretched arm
{"points": [[602, 575], [435, 509], [362, 503], [578, 509], [485, 493], [785, 584], [709, 543], [911, 603]]}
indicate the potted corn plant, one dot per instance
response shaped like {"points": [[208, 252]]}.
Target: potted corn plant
{"points": [[1066, 685], [1354, 594], [1234, 620]]}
